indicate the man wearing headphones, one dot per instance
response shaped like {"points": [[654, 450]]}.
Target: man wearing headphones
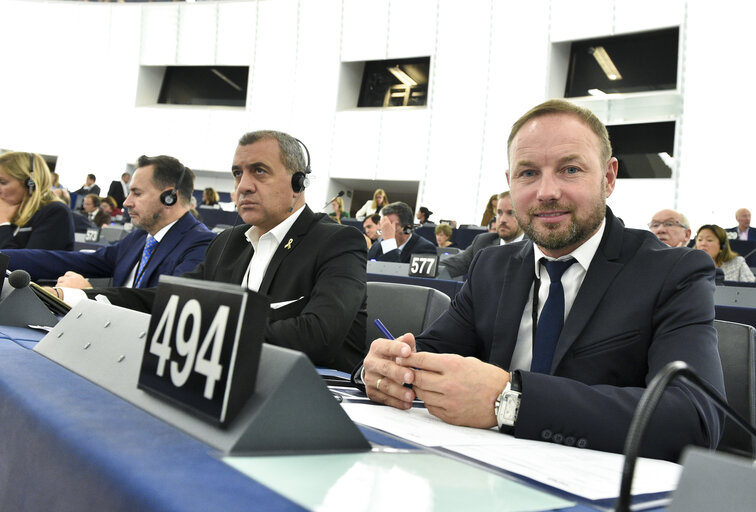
{"points": [[397, 241], [169, 240], [311, 268]]}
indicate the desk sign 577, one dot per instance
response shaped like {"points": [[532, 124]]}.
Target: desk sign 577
{"points": [[203, 346]]}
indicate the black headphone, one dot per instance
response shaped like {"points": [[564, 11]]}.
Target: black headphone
{"points": [[170, 197], [30, 185], [407, 229], [299, 179]]}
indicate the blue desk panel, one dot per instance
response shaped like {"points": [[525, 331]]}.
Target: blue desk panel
{"points": [[70, 445]]}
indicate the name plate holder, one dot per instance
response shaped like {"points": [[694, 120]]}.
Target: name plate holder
{"points": [[290, 411]]}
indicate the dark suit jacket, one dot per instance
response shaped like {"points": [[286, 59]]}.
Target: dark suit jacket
{"points": [[416, 244], [458, 264], [323, 272], [116, 192], [94, 189], [641, 306], [180, 250], [51, 227], [751, 232]]}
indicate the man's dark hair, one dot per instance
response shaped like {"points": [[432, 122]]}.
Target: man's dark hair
{"points": [[94, 198], [291, 151], [167, 171], [91, 177], [375, 218], [401, 210]]}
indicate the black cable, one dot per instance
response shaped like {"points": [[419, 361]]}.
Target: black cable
{"points": [[645, 409]]}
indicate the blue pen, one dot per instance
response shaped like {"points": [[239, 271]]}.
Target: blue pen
{"points": [[388, 335], [383, 329]]}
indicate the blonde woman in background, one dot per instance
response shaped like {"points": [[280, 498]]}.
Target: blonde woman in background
{"points": [[31, 215], [372, 206], [338, 212]]}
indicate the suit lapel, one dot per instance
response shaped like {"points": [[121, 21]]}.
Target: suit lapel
{"points": [[518, 279], [287, 246], [599, 277], [164, 248], [130, 259]]}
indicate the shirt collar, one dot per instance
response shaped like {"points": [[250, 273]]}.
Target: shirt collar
{"points": [[583, 254], [504, 242], [160, 234], [253, 234]]}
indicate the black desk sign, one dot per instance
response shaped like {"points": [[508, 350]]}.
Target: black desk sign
{"points": [[423, 265], [203, 345], [93, 235]]}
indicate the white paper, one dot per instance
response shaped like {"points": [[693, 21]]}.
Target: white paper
{"points": [[588, 473]]}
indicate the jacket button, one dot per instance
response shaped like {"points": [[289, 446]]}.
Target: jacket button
{"points": [[558, 438], [582, 443], [569, 441], [546, 434]]}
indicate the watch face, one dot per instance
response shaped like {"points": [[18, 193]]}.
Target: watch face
{"points": [[508, 408]]}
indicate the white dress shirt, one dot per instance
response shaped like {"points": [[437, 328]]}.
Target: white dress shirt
{"points": [[265, 247], [572, 279]]}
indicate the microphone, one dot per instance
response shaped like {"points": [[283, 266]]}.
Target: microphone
{"points": [[341, 193], [646, 407], [19, 279]]}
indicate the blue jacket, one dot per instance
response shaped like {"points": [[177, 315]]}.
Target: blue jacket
{"points": [[180, 250]]}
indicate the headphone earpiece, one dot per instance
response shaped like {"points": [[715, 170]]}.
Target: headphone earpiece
{"points": [[30, 185], [299, 180], [407, 229], [170, 197]]}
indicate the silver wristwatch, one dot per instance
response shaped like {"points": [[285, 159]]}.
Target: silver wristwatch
{"points": [[507, 406]]}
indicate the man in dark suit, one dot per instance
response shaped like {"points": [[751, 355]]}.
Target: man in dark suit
{"points": [[507, 231], [397, 242], [118, 190], [629, 305], [312, 269], [89, 186], [181, 239], [743, 231]]}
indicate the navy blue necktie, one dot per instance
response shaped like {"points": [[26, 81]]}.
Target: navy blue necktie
{"points": [[552, 318]]}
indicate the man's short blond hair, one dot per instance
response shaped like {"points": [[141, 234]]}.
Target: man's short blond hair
{"points": [[558, 106]]}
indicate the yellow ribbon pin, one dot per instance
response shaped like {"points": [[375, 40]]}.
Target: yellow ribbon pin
{"points": [[288, 244]]}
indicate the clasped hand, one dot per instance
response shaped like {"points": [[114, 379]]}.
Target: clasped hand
{"points": [[459, 390]]}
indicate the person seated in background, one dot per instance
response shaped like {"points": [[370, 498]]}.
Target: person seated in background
{"points": [[210, 198], [490, 211], [743, 231], [106, 212], [398, 243], [372, 206], [311, 269], [556, 338], [712, 239], [507, 231], [167, 239], [423, 216], [370, 225], [120, 189], [89, 187], [443, 236], [338, 213], [90, 206], [59, 190], [671, 227], [31, 215]]}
